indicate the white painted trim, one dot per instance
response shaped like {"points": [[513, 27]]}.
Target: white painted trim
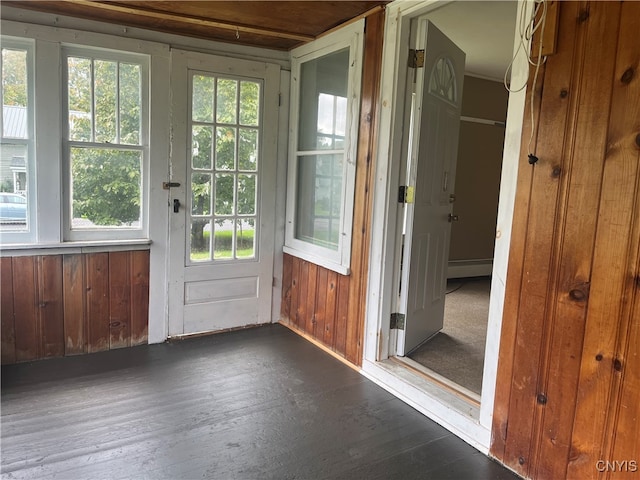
{"points": [[509, 178], [321, 261], [469, 268], [72, 248], [158, 204], [384, 238], [281, 193]]}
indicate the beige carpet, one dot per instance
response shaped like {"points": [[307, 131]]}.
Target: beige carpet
{"points": [[457, 352]]}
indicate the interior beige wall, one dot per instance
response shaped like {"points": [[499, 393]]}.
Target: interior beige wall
{"points": [[478, 170]]}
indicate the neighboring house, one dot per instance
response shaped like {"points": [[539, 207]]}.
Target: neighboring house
{"points": [[13, 173], [562, 365]]}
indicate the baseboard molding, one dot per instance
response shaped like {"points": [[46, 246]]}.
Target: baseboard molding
{"points": [[470, 268]]}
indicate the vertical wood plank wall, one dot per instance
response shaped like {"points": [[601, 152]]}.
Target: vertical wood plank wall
{"points": [[568, 389], [56, 305], [320, 303]]}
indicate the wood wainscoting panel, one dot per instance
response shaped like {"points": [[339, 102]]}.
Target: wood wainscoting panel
{"points": [[74, 292], [139, 331], [25, 305], [97, 278], [57, 305], [119, 300], [7, 316], [51, 306], [568, 381]]}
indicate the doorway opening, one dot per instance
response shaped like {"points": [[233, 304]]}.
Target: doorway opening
{"points": [[484, 30], [451, 350]]}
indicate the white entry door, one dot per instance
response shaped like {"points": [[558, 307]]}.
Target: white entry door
{"points": [[432, 165], [222, 200]]}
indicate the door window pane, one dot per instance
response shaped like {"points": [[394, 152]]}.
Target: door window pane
{"points": [[246, 194], [202, 98], [223, 241], [249, 103], [225, 148], [201, 138], [200, 240], [245, 243], [224, 194], [200, 193], [248, 150], [227, 101]]}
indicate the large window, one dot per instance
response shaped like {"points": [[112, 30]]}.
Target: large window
{"points": [[325, 102], [17, 214], [106, 128], [86, 177]]}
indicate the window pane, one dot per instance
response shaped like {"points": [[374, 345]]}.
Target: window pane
{"points": [[14, 205], [323, 94], [319, 197], [225, 148], [105, 100], [245, 242], [14, 93], [201, 193], [106, 190], [79, 92], [226, 100], [223, 240], [202, 99], [201, 147], [130, 104], [200, 240], [248, 150], [249, 103], [224, 194], [246, 194]]}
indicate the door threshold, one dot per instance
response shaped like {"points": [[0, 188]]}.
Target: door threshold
{"points": [[442, 404], [467, 395], [187, 336]]}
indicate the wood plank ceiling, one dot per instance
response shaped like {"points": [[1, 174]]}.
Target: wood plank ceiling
{"points": [[279, 25]]}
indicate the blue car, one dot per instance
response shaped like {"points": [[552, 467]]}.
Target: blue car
{"points": [[13, 208]]}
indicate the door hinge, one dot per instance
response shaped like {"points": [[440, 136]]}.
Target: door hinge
{"points": [[416, 58], [405, 194], [397, 321]]}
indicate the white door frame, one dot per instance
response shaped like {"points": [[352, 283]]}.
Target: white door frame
{"points": [[469, 422]]}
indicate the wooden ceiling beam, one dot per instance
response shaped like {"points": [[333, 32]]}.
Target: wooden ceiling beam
{"points": [[114, 7]]}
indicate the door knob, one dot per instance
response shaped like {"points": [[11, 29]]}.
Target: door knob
{"points": [[453, 218], [176, 205]]}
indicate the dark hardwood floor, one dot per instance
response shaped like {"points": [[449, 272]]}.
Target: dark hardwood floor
{"points": [[252, 404]]}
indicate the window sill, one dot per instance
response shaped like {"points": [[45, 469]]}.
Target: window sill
{"points": [[27, 249], [318, 260]]}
